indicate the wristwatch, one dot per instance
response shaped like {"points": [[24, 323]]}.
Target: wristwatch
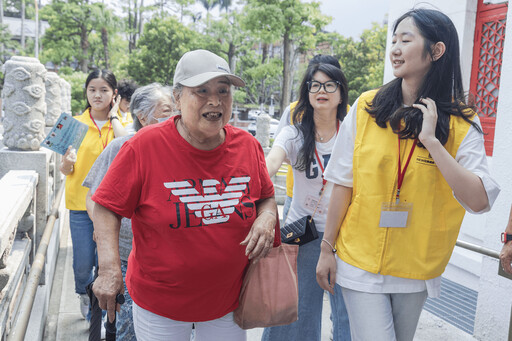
{"points": [[113, 118], [505, 237]]}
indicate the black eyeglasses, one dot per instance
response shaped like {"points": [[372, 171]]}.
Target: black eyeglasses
{"points": [[329, 86]]}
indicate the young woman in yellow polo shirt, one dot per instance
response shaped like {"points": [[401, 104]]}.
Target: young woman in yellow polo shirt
{"points": [[102, 116], [407, 163]]}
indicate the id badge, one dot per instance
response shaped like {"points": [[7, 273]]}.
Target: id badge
{"points": [[311, 203], [395, 214]]}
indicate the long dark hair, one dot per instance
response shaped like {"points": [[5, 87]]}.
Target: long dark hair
{"points": [[106, 75], [303, 113], [442, 83]]}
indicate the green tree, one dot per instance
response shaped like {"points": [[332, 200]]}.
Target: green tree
{"points": [[107, 24], [362, 61], [293, 24], [77, 81], [209, 4], [135, 10], [67, 38], [262, 79], [8, 46], [163, 42], [225, 5], [72, 24], [228, 31], [13, 8], [181, 7]]}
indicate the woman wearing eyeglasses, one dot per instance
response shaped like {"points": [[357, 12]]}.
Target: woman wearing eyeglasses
{"points": [[307, 146]]}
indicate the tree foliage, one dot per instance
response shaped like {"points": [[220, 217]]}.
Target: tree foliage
{"points": [[362, 61], [229, 32], [262, 80], [9, 46], [12, 8], [77, 81], [68, 39], [163, 42], [263, 41], [293, 24]]}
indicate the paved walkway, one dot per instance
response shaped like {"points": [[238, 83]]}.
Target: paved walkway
{"points": [[65, 322]]}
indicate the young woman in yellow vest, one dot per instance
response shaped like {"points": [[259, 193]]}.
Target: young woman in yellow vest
{"points": [[102, 116], [307, 146], [408, 161], [287, 119]]}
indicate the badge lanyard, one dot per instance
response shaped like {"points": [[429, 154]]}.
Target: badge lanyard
{"points": [[99, 131], [320, 162], [401, 173]]}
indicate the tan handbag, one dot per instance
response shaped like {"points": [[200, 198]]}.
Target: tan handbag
{"points": [[270, 293]]}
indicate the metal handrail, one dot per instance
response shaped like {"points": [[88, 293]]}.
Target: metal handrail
{"points": [[491, 253], [478, 249], [282, 188], [20, 327]]}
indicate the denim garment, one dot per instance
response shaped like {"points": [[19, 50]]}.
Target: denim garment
{"points": [[286, 207], [84, 249], [124, 323], [308, 326]]}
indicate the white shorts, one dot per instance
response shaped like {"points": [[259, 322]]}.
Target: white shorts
{"points": [[152, 327]]}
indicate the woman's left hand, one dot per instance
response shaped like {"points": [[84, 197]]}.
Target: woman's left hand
{"points": [[428, 129], [115, 106], [260, 239]]}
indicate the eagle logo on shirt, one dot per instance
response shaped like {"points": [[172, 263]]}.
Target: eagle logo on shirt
{"points": [[211, 205]]}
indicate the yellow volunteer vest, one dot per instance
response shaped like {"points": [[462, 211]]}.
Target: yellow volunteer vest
{"points": [[125, 120], [89, 150], [423, 249], [289, 174]]}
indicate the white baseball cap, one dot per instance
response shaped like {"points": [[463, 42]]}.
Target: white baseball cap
{"points": [[199, 66]]}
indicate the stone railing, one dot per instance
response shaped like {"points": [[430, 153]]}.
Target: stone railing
{"points": [[17, 209], [32, 99]]}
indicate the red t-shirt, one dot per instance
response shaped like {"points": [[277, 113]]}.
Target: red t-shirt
{"points": [[190, 210]]}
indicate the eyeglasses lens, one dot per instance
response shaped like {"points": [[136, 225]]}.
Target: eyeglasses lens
{"points": [[329, 86]]}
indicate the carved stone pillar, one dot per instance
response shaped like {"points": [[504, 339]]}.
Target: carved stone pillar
{"points": [[24, 103], [263, 130], [65, 96], [53, 98]]}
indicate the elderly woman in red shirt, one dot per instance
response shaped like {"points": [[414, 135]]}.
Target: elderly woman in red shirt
{"points": [[201, 203]]}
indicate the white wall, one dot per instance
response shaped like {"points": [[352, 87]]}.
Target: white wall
{"points": [[495, 292], [461, 12]]}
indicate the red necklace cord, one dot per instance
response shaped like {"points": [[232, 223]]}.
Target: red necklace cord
{"points": [[401, 173], [99, 131], [318, 157]]}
